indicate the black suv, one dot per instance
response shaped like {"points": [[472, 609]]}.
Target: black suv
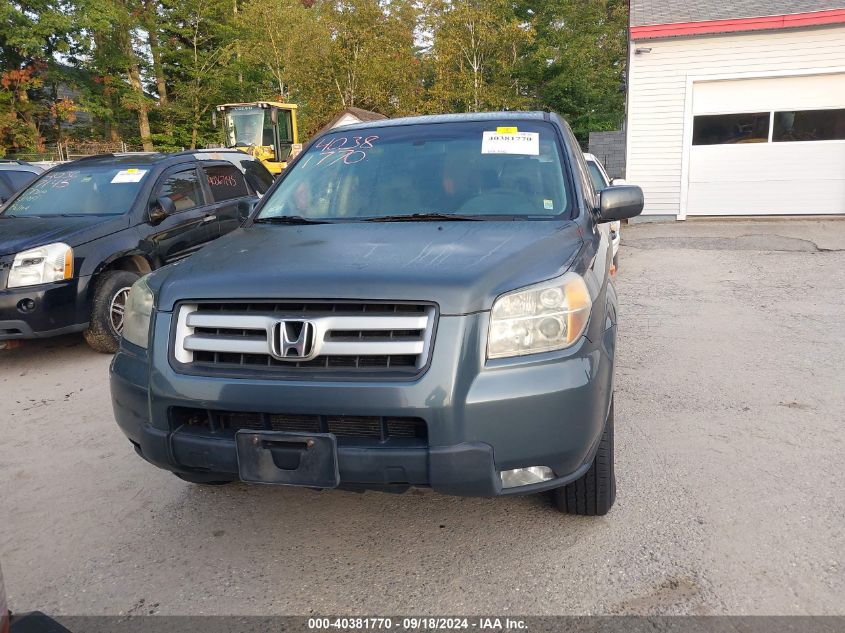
{"points": [[75, 240]]}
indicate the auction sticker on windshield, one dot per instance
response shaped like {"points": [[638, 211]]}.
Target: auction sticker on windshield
{"points": [[524, 143], [129, 175]]}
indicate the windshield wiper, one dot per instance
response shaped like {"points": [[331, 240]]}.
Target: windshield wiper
{"points": [[422, 217], [289, 219]]}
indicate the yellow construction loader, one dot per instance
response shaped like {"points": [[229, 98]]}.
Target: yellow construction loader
{"points": [[265, 129]]}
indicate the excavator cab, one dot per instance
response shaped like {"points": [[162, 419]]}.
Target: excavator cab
{"points": [[265, 129]]}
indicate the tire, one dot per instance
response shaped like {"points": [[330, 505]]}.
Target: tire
{"points": [[201, 479], [595, 492], [616, 261], [103, 333]]}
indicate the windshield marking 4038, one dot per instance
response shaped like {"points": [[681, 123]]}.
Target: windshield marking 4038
{"points": [[337, 147]]}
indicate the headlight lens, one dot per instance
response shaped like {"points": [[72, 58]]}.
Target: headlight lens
{"points": [[139, 310], [41, 265], [542, 318]]}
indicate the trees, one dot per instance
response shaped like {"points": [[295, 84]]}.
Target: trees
{"points": [[576, 64], [148, 72], [475, 55], [199, 35], [32, 33], [327, 56]]}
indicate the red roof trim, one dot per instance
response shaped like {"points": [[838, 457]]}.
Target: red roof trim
{"points": [[790, 21]]}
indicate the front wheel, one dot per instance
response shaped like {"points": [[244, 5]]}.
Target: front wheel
{"points": [[108, 310], [595, 492]]}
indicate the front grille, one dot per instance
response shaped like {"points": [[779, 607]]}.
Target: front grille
{"points": [[393, 339], [345, 427]]}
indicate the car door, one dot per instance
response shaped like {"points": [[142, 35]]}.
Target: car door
{"points": [[192, 222], [232, 197]]}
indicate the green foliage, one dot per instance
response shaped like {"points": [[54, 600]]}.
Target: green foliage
{"points": [[575, 66], [151, 71], [477, 48]]}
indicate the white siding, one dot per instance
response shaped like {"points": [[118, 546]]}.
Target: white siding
{"points": [[658, 93]]}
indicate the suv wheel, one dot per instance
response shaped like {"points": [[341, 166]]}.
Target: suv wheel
{"points": [[108, 310], [595, 492]]}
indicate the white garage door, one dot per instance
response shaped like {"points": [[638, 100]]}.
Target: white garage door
{"points": [[768, 146]]}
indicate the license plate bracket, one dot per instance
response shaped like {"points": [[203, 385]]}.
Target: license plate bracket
{"points": [[288, 459]]}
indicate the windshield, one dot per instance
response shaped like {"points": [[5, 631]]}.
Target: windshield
{"points": [[245, 127], [478, 169], [80, 190]]}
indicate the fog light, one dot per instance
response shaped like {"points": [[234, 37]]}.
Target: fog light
{"points": [[26, 305], [526, 476]]}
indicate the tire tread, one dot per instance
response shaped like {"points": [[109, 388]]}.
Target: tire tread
{"points": [[594, 493]]}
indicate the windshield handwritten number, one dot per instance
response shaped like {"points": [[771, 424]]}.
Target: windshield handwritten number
{"points": [[348, 158], [337, 147], [326, 154]]}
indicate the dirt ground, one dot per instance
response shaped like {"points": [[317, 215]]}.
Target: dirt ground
{"points": [[730, 451]]}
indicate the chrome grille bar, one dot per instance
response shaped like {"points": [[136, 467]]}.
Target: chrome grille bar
{"points": [[252, 331]]}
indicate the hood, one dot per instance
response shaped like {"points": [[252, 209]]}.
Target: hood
{"points": [[21, 233], [462, 266]]}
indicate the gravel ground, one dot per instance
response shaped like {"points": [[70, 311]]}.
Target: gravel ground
{"points": [[730, 433]]}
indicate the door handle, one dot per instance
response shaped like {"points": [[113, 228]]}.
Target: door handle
{"points": [[209, 218]]}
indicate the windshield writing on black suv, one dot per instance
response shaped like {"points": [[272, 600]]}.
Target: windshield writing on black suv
{"points": [[478, 170], [92, 190]]}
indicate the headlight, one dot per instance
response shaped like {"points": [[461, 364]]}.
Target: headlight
{"points": [[41, 265], [542, 318], [139, 310]]}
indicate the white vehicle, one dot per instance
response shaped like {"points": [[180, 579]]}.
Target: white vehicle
{"points": [[601, 180]]}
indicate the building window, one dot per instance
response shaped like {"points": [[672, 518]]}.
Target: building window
{"points": [[729, 129], [809, 125]]}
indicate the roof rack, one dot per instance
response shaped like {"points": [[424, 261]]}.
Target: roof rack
{"points": [[94, 157]]}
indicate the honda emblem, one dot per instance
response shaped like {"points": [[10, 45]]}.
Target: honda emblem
{"points": [[293, 340]]}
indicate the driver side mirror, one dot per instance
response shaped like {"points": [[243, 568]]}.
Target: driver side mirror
{"points": [[620, 203], [161, 208], [245, 209]]}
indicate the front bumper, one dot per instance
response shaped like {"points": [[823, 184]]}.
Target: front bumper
{"points": [[482, 418], [59, 308]]}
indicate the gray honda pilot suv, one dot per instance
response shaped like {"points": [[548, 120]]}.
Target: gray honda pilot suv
{"points": [[416, 302]]}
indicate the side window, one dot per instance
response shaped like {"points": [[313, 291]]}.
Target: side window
{"points": [[596, 176], [226, 182], [20, 179], [183, 187], [257, 175], [5, 191]]}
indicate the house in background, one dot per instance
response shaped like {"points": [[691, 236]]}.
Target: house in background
{"points": [[737, 108], [350, 116]]}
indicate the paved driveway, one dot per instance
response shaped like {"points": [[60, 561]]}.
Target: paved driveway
{"points": [[730, 400]]}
